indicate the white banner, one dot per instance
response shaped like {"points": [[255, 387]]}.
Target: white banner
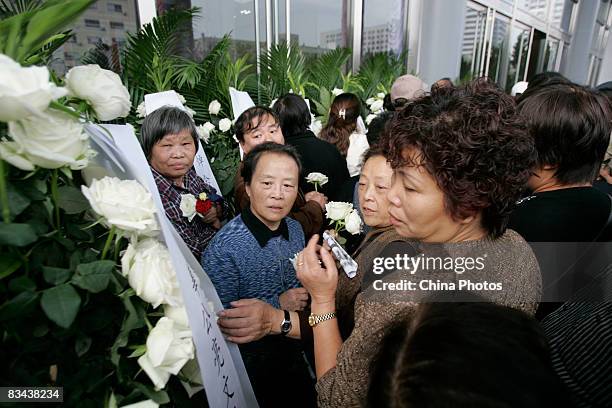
{"points": [[223, 373]]}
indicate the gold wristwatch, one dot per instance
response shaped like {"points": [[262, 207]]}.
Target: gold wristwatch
{"points": [[314, 319]]}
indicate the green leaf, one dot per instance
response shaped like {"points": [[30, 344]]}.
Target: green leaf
{"points": [[22, 284], [17, 201], [138, 351], [55, 276], [93, 276], [71, 200], [9, 263], [161, 397], [16, 234], [61, 304], [20, 305], [82, 345]]}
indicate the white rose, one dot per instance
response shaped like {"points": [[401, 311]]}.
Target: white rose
{"points": [[102, 89], [51, 140], [177, 313], [380, 95], [370, 118], [370, 101], [376, 106], [214, 107], [315, 177], [336, 211], [204, 131], [141, 110], [125, 204], [169, 348], [352, 223], [188, 206], [337, 91], [10, 152], [149, 270], [225, 124], [25, 91], [181, 98]]}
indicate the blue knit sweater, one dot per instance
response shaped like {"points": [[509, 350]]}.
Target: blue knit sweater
{"points": [[241, 269]]}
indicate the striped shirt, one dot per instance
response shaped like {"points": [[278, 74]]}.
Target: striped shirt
{"points": [[196, 233]]}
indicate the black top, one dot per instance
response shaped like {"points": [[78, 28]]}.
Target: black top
{"points": [[568, 215], [320, 156], [260, 231]]}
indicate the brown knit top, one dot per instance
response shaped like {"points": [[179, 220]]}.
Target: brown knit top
{"points": [[508, 261]]}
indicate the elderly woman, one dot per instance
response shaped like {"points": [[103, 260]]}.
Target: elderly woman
{"points": [[461, 158], [251, 321], [169, 140], [249, 260]]}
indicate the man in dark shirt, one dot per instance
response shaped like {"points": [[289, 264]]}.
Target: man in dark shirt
{"points": [[317, 155], [565, 213]]}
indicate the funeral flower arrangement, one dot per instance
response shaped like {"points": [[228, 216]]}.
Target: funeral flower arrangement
{"points": [[90, 300]]}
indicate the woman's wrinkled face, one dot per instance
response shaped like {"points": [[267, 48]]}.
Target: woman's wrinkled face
{"points": [[374, 184], [172, 156], [416, 206], [273, 188], [267, 130]]}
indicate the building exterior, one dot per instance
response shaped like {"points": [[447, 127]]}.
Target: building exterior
{"points": [[507, 40], [105, 21]]}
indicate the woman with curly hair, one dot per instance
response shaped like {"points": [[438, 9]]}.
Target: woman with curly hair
{"points": [[343, 131], [461, 159]]}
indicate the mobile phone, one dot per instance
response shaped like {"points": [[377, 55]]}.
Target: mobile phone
{"points": [[347, 263]]}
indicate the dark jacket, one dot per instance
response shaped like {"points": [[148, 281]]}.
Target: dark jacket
{"points": [[320, 156]]}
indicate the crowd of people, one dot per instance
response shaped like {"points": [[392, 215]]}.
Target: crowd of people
{"points": [[509, 198]]}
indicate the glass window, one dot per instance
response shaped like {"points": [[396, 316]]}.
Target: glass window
{"points": [[473, 40], [319, 25], [92, 23], [220, 17], [91, 29], [383, 26], [550, 56], [519, 48], [536, 7], [498, 58], [115, 8]]}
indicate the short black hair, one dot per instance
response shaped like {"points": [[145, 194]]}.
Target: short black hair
{"points": [[293, 114], [570, 125], [541, 80], [465, 354], [244, 123], [252, 158], [377, 126], [167, 120]]}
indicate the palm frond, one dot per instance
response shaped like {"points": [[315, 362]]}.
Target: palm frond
{"points": [[326, 70], [282, 69], [155, 44], [13, 7], [378, 72]]}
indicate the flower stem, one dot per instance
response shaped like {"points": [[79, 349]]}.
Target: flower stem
{"points": [[6, 212], [316, 185], [55, 197], [108, 242]]}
